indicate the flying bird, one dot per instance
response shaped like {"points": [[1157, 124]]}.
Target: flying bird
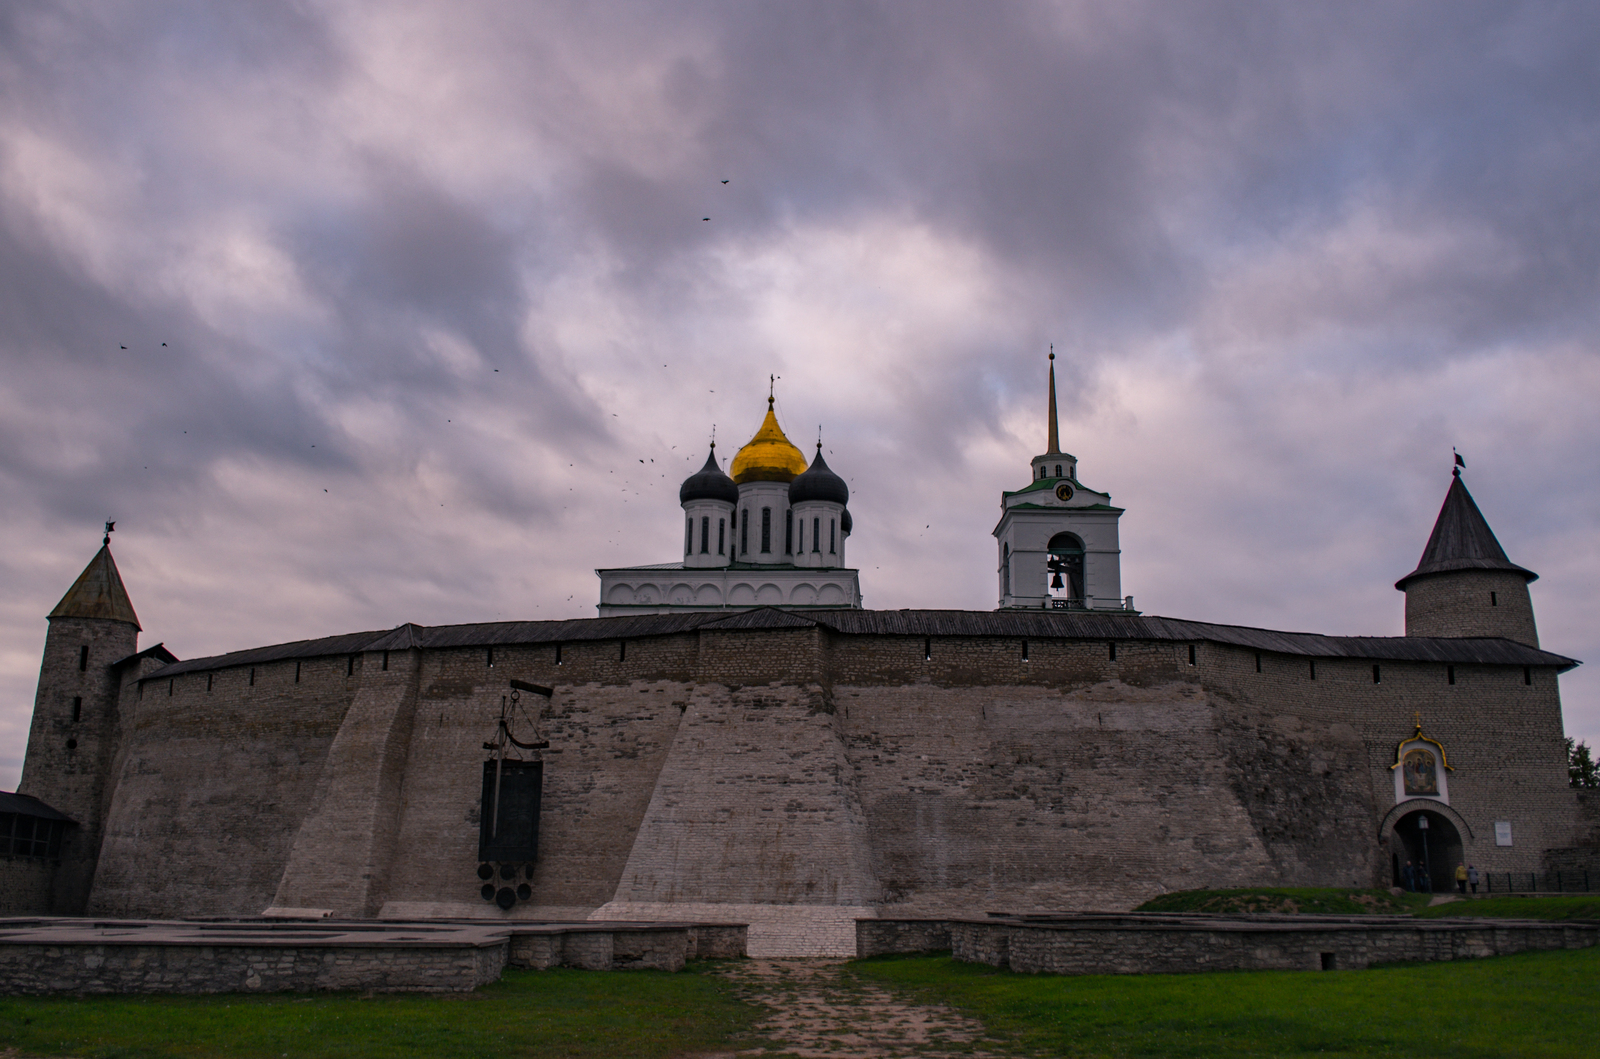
{"points": [[724, 181], [702, 218], [125, 347]]}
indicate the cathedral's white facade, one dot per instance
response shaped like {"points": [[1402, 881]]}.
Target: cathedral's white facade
{"points": [[770, 531]]}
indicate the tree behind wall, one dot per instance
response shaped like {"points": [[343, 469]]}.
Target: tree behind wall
{"points": [[1582, 770]]}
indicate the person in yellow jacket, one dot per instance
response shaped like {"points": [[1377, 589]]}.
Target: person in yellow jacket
{"points": [[1461, 877]]}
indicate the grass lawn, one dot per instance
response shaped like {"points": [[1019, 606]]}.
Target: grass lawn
{"points": [[543, 1013], [1584, 907], [1542, 1004]]}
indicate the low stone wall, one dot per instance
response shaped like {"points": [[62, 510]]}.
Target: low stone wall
{"points": [[122, 968], [142, 956], [774, 931], [1176, 944], [880, 937], [624, 946]]}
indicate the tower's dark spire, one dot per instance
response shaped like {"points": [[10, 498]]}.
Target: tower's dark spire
{"points": [[1462, 540], [1055, 434]]}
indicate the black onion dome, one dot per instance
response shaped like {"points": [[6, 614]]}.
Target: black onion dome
{"points": [[709, 483], [846, 523], [818, 483]]}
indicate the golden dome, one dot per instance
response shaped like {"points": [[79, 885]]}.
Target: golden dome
{"points": [[769, 456]]}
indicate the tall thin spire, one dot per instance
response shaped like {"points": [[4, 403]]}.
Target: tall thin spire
{"points": [[1055, 433]]}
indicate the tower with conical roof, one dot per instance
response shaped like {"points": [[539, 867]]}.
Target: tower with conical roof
{"points": [[72, 739], [1464, 585], [1058, 539]]}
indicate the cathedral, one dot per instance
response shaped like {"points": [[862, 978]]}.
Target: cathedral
{"points": [[735, 738]]}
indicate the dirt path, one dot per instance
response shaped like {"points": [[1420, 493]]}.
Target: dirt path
{"points": [[819, 1013]]}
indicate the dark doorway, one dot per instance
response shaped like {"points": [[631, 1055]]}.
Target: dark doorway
{"points": [[1434, 850]]}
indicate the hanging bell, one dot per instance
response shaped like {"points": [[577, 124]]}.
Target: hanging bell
{"points": [[1056, 582]]}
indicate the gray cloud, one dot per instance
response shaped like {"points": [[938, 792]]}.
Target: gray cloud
{"points": [[433, 280]]}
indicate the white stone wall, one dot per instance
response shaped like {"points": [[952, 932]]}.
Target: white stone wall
{"points": [[822, 520], [655, 590]]}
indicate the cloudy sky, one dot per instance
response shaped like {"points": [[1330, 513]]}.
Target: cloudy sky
{"points": [[355, 314]]}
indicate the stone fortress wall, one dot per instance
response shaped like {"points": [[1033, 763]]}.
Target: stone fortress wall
{"points": [[769, 758]]}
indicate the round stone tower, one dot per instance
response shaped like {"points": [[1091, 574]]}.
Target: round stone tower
{"points": [[73, 737], [1464, 585]]}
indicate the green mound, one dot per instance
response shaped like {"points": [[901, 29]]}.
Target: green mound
{"points": [[1584, 907], [1309, 900]]}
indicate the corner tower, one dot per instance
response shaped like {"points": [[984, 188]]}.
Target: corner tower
{"points": [[1464, 585], [73, 736], [1058, 538]]}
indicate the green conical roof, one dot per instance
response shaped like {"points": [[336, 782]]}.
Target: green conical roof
{"points": [[98, 593]]}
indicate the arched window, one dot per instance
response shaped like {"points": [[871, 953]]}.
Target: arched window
{"points": [[1065, 566], [833, 528], [1058, 470], [1005, 577], [722, 526], [744, 532], [705, 534], [816, 535], [766, 530], [788, 531], [688, 535]]}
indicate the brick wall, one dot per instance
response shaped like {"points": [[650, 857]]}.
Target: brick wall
{"points": [[1471, 603], [933, 776]]}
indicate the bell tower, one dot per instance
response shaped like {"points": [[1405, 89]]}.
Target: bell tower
{"points": [[1057, 537]]}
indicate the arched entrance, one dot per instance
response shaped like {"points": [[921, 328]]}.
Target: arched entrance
{"points": [[1430, 841]]}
